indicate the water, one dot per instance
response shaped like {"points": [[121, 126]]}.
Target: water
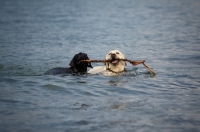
{"points": [[38, 35]]}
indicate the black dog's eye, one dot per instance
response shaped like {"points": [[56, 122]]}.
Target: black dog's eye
{"points": [[117, 52]]}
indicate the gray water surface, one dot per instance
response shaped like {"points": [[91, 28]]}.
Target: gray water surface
{"points": [[38, 35]]}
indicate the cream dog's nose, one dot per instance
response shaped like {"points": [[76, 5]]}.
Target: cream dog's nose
{"points": [[113, 55]]}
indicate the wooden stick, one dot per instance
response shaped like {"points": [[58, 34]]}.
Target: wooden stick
{"points": [[96, 60], [149, 68], [134, 63], [131, 61]]}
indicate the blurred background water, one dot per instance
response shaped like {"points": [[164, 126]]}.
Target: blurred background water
{"points": [[41, 34]]}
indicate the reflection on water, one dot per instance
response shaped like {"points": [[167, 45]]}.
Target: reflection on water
{"points": [[115, 82]]}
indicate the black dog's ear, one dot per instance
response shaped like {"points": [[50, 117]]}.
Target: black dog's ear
{"points": [[72, 63]]}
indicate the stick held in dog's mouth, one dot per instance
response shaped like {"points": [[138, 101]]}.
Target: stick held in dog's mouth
{"points": [[134, 63]]}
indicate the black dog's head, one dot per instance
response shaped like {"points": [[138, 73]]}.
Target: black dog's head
{"points": [[77, 65]]}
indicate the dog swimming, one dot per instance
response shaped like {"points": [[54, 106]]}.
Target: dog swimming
{"points": [[76, 66]]}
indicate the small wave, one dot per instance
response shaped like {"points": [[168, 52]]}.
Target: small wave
{"points": [[136, 72]]}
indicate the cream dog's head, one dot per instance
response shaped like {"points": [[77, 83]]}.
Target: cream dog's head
{"points": [[115, 64]]}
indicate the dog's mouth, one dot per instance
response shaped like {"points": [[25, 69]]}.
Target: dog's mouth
{"points": [[114, 61], [86, 63]]}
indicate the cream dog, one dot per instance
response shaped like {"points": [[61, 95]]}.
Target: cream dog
{"points": [[112, 68]]}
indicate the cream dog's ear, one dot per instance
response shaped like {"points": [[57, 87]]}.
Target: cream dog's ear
{"points": [[123, 55], [106, 57]]}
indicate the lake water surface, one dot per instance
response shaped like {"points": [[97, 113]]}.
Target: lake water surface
{"points": [[38, 35]]}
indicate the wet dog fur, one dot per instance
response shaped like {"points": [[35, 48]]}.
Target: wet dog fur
{"points": [[112, 68], [76, 66]]}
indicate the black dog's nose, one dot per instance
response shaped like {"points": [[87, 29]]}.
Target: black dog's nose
{"points": [[113, 55]]}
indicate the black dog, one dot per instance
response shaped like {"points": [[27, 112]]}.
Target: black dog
{"points": [[76, 66]]}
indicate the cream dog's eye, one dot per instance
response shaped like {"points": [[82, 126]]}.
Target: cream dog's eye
{"points": [[117, 52], [109, 54]]}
